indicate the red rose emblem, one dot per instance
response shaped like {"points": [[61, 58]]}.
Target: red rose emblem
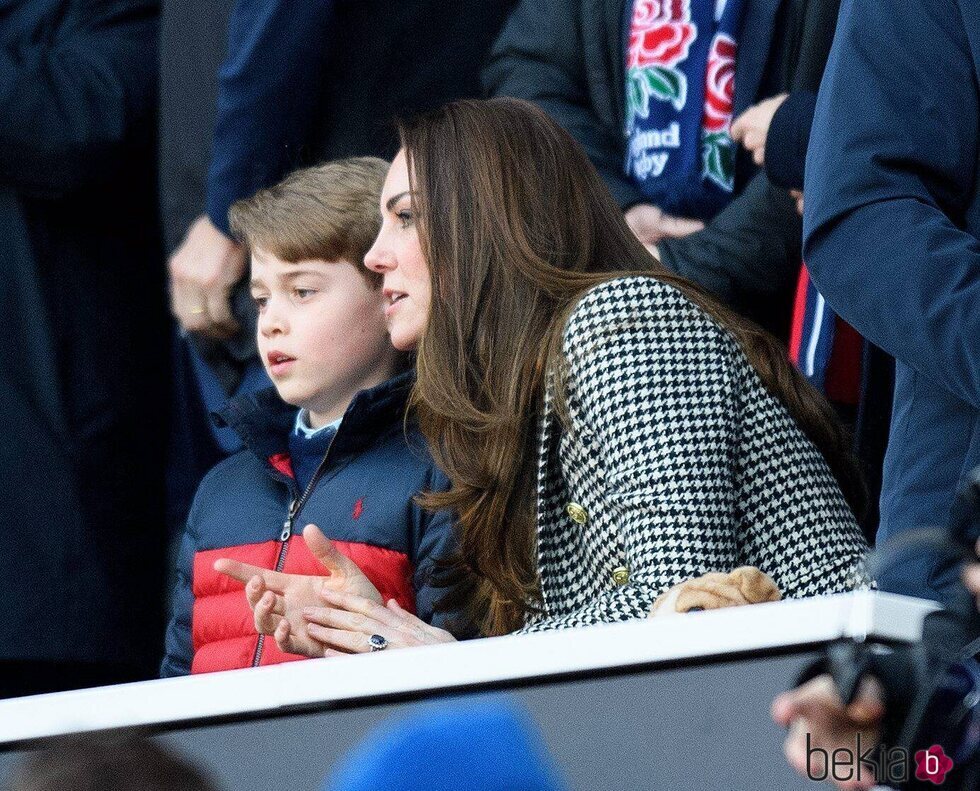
{"points": [[661, 33], [719, 93]]}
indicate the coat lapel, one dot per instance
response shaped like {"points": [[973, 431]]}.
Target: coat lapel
{"points": [[753, 51]]}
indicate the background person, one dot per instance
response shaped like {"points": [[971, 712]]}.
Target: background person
{"points": [[855, 376], [83, 361], [100, 763], [892, 217], [649, 89]]}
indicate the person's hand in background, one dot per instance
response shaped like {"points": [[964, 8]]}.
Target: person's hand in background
{"points": [[798, 197], [971, 577], [815, 710], [203, 271], [651, 225], [751, 128]]}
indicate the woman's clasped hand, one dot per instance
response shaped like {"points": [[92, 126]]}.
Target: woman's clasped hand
{"points": [[336, 613]]}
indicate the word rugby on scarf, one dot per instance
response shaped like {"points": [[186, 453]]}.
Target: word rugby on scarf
{"points": [[680, 87]]}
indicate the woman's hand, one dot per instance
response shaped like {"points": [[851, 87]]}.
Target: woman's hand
{"points": [[277, 598], [347, 623]]}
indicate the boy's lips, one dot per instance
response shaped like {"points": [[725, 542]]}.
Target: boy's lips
{"points": [[279, 363]]}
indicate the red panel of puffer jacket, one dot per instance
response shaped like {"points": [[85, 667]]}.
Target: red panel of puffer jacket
{"points": [[222, 625]]}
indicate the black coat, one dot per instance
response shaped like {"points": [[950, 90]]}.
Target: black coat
{"points": [[83, 351], [568, 57]]}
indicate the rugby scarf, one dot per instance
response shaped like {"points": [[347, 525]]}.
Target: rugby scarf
{"points": [[680, 86]]}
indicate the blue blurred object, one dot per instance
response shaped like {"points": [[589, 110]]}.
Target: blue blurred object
{"points": [[485, 746]]}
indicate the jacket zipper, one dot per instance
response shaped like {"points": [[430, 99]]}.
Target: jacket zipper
{"points": [[287, 532]]}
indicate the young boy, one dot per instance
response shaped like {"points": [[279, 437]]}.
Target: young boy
{"points": [[328, 445]]}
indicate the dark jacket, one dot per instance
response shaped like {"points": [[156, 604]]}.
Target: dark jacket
{"points": [[786, 146], [193, 44], [892, 225], [568, 56], [83, 355], [789, 132], [362, 500]]}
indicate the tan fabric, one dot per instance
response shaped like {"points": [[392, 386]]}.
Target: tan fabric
{"points": [[712, 591]]}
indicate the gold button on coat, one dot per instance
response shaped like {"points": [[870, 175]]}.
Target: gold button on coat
{"points": [[578, 514], [621, 575]]}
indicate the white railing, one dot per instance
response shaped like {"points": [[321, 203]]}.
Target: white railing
{"points": [[492, 663]]}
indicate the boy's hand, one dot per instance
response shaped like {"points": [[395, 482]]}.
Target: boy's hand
{"points": [[275, 596]]}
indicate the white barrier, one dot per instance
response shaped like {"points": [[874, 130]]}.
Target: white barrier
{"points": [[500, 662]]}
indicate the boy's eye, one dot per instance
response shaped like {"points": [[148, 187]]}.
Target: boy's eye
{"points": [[260, 301], [302, 293]]}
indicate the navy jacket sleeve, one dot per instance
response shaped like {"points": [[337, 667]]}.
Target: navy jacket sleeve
{"points": [[538, 58], [748, 250], [788, 138], [70, 98], [890, 171], [267, 96], [179, 644]]}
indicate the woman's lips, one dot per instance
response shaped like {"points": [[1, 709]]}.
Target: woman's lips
{"points": [[392, 306]]}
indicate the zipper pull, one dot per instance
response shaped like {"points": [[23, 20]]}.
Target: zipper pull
{"points": [[287, 526]]}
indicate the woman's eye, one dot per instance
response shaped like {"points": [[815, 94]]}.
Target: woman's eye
{"points": [[406, 217]]}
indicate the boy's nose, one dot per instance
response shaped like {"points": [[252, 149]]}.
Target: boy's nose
{"points": [[271, 322]]}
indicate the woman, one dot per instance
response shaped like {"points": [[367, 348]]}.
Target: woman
{"points": [[609, 430]]}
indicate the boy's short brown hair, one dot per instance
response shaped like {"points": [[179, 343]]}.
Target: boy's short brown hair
{"points": [[328, 212]]}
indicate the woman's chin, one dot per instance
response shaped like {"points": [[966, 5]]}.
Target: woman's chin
{"points": [[404, 342]]}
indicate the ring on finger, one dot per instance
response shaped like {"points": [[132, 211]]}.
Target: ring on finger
{"points": [[377, 643]]}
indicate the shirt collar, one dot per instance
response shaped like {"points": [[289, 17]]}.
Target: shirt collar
{"points": [[302, 427]]}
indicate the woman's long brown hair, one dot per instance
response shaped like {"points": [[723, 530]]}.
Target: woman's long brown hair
{"points": [[516, 226]]}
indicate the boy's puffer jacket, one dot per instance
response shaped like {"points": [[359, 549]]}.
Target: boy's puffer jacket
{"points": [[362, 500]]}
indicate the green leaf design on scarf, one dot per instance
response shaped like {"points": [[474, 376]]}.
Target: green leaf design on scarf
{"points": [[637, 98], [718, 151], [669, 85]]}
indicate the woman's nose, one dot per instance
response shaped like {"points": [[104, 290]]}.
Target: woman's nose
{"points": [[378, 258]]}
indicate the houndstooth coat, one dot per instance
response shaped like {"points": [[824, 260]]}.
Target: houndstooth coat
{"points": [[674, 460]]}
